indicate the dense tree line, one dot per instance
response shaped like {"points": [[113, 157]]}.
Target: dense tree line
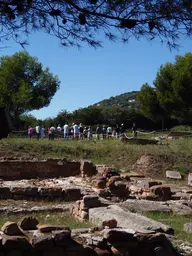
{"points": [[171, 93], [95, 115]]}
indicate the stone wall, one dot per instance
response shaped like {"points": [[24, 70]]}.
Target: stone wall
{"points": [[52, 168], [40, 193], [80, 209], [28, 237]]}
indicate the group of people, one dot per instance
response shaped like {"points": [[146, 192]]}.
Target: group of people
{"points": [[102, 131], [75, 132], [38, 131], [79, 132]]}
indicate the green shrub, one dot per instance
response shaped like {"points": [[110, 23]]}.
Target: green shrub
{"points": [[182, 128]]}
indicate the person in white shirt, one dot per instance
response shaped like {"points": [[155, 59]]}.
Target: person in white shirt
{"points": [[59, 129], [51, 131], [38, 131], [109, 132], [76, 131], [66, 131], [90, 133]]}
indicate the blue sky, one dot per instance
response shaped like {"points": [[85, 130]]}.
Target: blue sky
{"points": [[88, 75]]}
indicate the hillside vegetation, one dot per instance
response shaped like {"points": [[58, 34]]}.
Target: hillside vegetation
{"points": [[125, 100]]}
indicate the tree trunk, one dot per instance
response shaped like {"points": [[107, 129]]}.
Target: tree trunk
{"points": [[6, 122], [162, 123]]}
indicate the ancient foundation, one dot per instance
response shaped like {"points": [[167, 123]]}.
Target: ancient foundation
{"points": [[52, 168]]}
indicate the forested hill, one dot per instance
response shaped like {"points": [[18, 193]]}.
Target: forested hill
{"points": [[124, 100]]}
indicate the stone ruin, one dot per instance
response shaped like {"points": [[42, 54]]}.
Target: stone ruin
{"points": [[28, 237], [16, 169], [113, 202]]}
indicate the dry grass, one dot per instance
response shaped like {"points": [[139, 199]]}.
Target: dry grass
{"points": [[61, 219], [111, 152]]}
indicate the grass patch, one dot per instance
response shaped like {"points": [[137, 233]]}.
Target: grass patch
{"points": [[176, 222], [62, 219], [28, 204], [110, 152]]}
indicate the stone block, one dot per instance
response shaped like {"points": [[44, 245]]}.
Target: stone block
{"points": [[181, 209], [103, 252], [44, 192], [29, 223], [15, 242], [104, 193], [146, 184], [83, 206], [5, 193], [181, 196], [188, 227], [42, 242], [118, 187], [114, 236], [91, 201], [159, 242], [142, 206], [24, 191], [62, 238], [87, 168], [84, 215], [55, 192], [130, 221], [113, 179], [50, 192], [163, 192], [135, 189], [100, 183], [72, 194], [173, 175], [110, 223], [43, 228], [28, 169], [11, 229], [96, 241], [110, 172]]}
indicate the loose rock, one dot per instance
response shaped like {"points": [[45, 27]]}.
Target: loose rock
{"points": [[29, 223], [41, 241], [15, 242], [11, 229], [127, 220], [173, 175], [110, 223], [162, 192], [188, 227], [49, 228]]}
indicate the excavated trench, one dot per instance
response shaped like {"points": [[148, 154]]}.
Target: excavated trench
{"points": [[77, 190]]}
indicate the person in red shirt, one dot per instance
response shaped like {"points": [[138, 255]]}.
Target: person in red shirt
{"points": [[30, 132]]}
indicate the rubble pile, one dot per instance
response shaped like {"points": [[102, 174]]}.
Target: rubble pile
{"points": [[28, 237]]}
